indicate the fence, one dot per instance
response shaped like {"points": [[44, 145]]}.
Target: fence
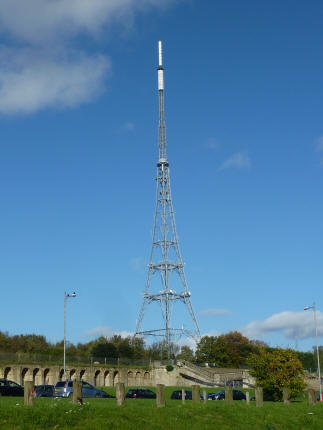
{"points": [[24, 358]]}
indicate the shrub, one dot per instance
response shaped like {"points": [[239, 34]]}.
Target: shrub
{"points": [[277, 369]]}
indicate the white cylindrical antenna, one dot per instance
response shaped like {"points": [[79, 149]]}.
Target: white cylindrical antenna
{"points": [[160, 53], [160, 67]]}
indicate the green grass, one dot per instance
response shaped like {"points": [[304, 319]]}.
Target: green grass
{"points": [[140, 414]]}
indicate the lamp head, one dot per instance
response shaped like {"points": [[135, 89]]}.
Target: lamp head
{"points": [[306, 308], [73, 294]]}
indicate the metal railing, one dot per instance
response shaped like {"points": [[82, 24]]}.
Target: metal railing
{"points": [[55, 359], [198, 370]]}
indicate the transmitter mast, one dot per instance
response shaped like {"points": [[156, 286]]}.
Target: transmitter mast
{"points": [[165, 260]]}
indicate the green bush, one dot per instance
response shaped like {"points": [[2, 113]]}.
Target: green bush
{"points": [[277, 369], [169, 368]]}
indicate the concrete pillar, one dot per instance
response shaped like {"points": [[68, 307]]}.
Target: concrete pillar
{"points": [[204, 396], [247, 397], [110, 378], [55, 375], [160, 396], [17, 372], [120, 393], [101, 377], [29, 393], [228, 395], [91, 376], [259, 397], [286, 396], [123, 376], [196, 393], [183, 396], [311, 397], [77, 392]]}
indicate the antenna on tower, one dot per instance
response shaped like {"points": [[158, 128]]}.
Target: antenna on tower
{"points": [[160, 53], [165, 257]]}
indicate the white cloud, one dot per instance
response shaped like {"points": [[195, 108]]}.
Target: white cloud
{"points": [[239, 160], [298, 325], [30, 80], [41, 65], [106, 331], [41, 21], [207, 312], [187, 341], [192, 343]]}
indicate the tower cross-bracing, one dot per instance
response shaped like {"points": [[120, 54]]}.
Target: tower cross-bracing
{"points": [[165, 261]]}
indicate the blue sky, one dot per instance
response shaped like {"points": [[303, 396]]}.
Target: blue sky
{"points": [[78, 118]]}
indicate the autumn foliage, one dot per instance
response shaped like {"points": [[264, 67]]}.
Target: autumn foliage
{"points": [[277, 369], [228, 350]]}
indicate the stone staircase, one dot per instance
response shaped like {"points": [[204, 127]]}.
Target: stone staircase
{"points": [[217, 377]]}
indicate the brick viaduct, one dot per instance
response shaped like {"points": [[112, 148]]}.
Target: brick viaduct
{"points": [[183, 374], [101, 376]]}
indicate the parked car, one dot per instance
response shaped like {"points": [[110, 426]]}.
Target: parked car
{"points": [[44, 390], [65, 389], [177, 395], [220, 395], [10, 388], [140, 393]]}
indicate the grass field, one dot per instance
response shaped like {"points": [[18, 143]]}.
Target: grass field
{"points": [[141, 414]]}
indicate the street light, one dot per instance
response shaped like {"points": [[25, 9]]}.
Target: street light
{"points": [[317, 346], [66, 296]]}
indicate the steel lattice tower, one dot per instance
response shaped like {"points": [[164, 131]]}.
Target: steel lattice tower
{"points": [[165, 257]]}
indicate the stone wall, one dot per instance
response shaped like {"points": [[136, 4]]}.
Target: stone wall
{"points": [[184, 374], [100, 376]]}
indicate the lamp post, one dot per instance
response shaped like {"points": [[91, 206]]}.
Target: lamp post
{"points": [[317, 345], [66, 296]]}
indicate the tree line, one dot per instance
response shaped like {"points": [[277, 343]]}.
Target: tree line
{"points": [[227, 350]]}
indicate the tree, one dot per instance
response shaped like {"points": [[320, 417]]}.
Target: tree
{"points": [[277, 369], [159, 350], [125, 350], [105, 349], [320, 355], [222, 356], [205, 350], [186, 354], [307, 359], [138, 346], [4, 341], [228, 350], [239, 346], [212, 349]]}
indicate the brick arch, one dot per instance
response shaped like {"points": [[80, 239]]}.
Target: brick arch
{"points": [[82, 372], [37, 376], [97, 377], [47, 376], [130, 378], [25, 373], [8, 373], [106, 377], [61, 375], [146, 378], [72, 374], [116, 378]]}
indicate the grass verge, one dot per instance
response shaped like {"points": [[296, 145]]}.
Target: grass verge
{"points": [[141, 414]]}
